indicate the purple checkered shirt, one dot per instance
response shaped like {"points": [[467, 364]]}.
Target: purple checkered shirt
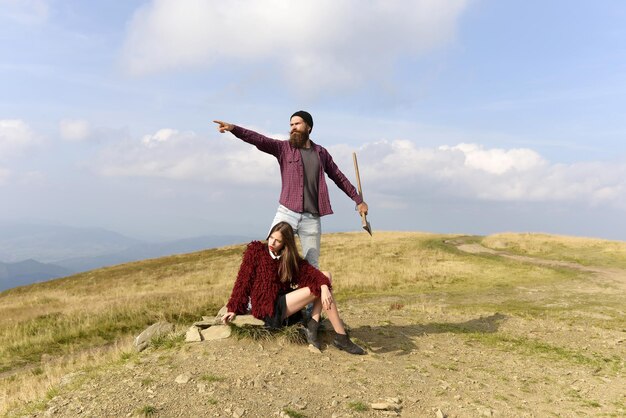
{"points": [[292, 171]]}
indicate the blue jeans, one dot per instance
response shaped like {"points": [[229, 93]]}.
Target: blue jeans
{"points": [[308, 227]]}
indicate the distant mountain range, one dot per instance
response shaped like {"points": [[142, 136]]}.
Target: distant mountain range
{"points": [[149, 250], [27, 272], [32, 253]]}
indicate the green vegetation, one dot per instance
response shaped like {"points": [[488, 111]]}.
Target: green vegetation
{"points": [[167, 341], [291, 334], [532, 347], [358, 406], [211, 378], [147, 411], [293, 414]]}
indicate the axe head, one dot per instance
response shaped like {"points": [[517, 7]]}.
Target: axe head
{"points": [[366, 224]]}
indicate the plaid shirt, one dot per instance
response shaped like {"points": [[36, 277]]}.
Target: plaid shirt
{"points": [[292, 171]]}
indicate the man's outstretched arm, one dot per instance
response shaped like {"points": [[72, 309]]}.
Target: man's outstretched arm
{"points": [[263, 143]]}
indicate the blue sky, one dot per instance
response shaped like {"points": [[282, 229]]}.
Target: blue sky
{"points": [[467, 116]]}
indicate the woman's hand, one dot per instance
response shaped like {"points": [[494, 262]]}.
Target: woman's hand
{"points": [[327, 297], [228, 316]]}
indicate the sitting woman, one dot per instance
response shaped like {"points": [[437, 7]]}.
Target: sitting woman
{"points": [[279, 283]]}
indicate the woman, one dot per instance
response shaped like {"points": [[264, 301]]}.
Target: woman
{"points": [[279, 283]]}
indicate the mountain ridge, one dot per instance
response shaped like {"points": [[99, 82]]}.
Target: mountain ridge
{"points": [[61, 250]]}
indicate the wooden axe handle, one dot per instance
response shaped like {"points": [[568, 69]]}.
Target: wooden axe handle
{"points": [[358, 178]]}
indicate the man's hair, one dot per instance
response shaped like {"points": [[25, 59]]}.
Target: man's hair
{"points": [[306, 116]]}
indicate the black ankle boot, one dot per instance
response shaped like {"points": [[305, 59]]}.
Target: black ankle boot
{"points": [[343, 342], [311, 333]]}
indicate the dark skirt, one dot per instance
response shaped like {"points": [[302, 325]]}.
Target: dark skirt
{"points": [[278, 320]]}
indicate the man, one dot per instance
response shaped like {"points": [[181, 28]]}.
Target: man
{"points": [[304, 195]]}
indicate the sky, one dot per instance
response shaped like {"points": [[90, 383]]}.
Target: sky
{"points": [[467, 116]]}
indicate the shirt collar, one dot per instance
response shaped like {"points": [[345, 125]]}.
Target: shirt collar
{"points": [[275, 257]]}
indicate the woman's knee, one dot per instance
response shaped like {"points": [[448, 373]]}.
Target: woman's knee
{"points": [[329, 275]]}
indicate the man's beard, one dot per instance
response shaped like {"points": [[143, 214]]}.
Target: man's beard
{"points": [[298, 139]]}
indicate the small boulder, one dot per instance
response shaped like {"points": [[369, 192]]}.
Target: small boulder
{"points": [[155, 330], [203, 324], [181, 379], [216, 332], [193, 335], [241, 320]]}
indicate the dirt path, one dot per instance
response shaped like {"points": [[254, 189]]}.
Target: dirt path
{"points": [[617, 277], [426, 359]]}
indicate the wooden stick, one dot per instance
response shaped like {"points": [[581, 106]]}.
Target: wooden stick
{"points": [[364, 222]]}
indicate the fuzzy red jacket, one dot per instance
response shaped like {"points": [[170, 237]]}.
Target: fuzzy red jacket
{"points": [[258, 279]]}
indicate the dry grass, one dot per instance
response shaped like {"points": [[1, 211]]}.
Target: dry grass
{"points": [[48, 330]]}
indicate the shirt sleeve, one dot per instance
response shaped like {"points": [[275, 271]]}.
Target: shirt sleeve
{"points": [[335, 174], [238, 301], [263, 143], [309, 276]]}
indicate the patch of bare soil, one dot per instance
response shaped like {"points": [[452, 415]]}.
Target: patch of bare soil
{"points": [[425, 359]]}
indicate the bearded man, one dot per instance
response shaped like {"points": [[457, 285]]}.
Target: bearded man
{"points": [[304, 195]]}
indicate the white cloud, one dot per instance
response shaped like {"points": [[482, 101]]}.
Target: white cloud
{"points": [[315, 44], [162, 135], [15, 135], [398, 171], [186, 156], [25, 11], [471, 171], [74, 130], [497, 161]]}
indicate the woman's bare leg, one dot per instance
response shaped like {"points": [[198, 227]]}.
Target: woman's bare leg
{"points": [[333, 317], [295, 299], [298, 299]]}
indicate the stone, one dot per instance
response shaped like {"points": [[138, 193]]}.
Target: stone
{"points": [[385, 406], [314, 349], [241, 320], [239, 412], [193, 335], [217, 320], [181, 379], [389, 404], [486, 412], [216, 332], [155, 330], [259, 383], [204, 324], [439, 413]]}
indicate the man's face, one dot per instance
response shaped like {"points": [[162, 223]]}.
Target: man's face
{"points": [[297, 124], [298, 132]]}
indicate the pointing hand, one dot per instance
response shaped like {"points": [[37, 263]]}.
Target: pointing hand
{"points": [[224, 126]]}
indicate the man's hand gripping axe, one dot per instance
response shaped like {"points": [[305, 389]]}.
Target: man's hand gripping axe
{"points": [[364, 221]]}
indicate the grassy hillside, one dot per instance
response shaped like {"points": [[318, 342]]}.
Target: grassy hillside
{"points": [[50, 329]]}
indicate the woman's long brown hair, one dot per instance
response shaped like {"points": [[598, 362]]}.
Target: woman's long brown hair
{"points": [[289, 256]]}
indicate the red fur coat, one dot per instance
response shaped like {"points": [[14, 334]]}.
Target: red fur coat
{"points": [[258, 279]]}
